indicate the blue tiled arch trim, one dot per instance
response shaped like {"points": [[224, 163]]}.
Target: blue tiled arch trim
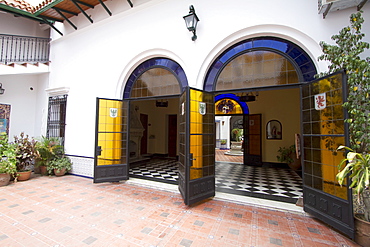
{"points": [[158, 62], [242, 104], [295, 54]]}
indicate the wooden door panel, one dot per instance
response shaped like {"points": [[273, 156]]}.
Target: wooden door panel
{"points": [[252, 139]]}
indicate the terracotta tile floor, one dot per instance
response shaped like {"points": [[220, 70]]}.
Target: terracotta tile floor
{"points": [[221, 156], [72, 211]]}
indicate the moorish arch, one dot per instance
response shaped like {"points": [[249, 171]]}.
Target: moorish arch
{"points": [[288, 58], [157, 76]]}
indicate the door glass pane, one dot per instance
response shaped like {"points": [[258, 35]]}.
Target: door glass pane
{"points": [[112, 132], [202, 143], [256, 69], [323, 132], [182, 134], [228, 106], [155, 82]]}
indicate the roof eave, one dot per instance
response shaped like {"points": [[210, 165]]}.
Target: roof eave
{"points": [[48, 6]]}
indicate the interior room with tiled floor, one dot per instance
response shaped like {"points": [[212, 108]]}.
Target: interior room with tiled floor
{"points": [[73, 211], [232, 177]]}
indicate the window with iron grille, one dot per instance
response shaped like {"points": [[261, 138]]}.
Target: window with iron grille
{"points": [[57, 117]]}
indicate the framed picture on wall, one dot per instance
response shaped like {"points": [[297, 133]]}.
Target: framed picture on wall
{"points": [[4, 118], [274, 130]]}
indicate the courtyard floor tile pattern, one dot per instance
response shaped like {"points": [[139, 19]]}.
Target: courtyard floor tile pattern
{"points": [[72, 211]]}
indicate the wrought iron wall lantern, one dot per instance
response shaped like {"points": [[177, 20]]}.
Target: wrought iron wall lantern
{"points": [[248, 97], [161, 103], [2, 90], [191, 21]]}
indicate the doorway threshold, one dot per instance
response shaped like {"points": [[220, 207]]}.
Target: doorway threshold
{"points": [[258, 202]]}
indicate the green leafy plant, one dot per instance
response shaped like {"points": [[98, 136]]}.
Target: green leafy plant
{"points": [[286, 154], [357, 166], [48, 149], [345, 55], [237, 134], [223, 141], [26, 153], [58, 164], [7, 156]]}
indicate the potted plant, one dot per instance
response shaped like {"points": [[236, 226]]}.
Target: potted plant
{"points": [[59, 166], [237, 134], [26, 154], [48, 149], [357, 167], [223, 143], [288, 155], [7, 160], [345, 55]]}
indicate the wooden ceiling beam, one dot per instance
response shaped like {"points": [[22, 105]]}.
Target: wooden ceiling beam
{"points": [[65, 11], [82, 11], [59, 11], [83, 3], [105, 7], [361, 4], [52, 26]]}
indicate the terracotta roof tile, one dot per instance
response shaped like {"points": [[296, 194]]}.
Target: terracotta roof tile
{"points": [[24, 5], [19, 4], [43, 4]]}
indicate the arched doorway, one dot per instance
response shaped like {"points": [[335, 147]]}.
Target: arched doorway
{"points": [[163, 81], [229, 111], [242, 129], [265, 74], [133, 130], [153, 90]]}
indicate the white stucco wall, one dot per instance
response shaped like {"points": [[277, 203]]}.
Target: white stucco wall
{"points": [[27, 97], [96, 60], [13, 25]]}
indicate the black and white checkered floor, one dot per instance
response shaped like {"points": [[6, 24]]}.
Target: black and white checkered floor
{"points": [[162, 170], [278, 184]]}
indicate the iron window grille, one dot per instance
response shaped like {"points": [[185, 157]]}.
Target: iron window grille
{"points": [[57, 117]]}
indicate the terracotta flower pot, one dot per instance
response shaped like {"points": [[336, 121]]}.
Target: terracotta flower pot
{"points": [[362, 227], [43, 170], [59, 172], [23, 176], [4, 179], [296, 164], [37, 170]]}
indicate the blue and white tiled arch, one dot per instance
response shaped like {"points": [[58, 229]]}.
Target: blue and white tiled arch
{"points": [[242, 104], [300, 59], [158, 62]]}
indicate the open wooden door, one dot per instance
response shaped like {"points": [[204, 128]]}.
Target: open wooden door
{"points": [[252, 139], [323, 130], [197, 146], [111, 141]]}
